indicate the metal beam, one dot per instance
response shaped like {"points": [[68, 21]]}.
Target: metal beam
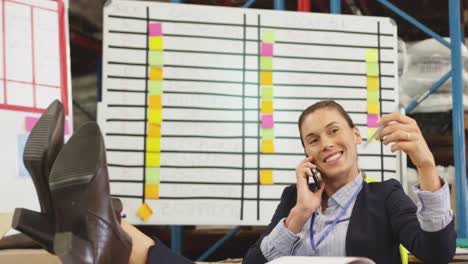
{"points": [[423, 96], [176, 239], [458, 118], [413, 21], [335, 6], [213, 248], [279, 4]]}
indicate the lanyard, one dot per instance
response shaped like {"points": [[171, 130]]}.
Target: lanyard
{"points": [[340, 215]]}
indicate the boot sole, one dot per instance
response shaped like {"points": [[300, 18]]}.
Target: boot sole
{"points": [[38, 153], [75, 169], [69, 179]]}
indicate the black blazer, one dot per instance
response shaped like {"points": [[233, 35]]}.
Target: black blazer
{"points": [[383, 217]]}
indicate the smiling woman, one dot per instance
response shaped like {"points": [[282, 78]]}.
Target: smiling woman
{"points": [[344, 215], [330, 138]]}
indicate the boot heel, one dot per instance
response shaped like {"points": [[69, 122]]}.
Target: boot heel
{"points": [[72, 250], [35, 225]]}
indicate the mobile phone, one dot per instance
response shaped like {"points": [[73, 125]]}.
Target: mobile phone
{"points": [[316, 179]]}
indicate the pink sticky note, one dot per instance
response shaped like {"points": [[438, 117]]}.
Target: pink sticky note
{"points": [[67, 128], [267, 49], [155, 29], [267, 121], [372, 120], [30, 122]]}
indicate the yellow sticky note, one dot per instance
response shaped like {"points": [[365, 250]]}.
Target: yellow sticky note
{"points": [[155, 101], [267, 93], [152, 175], [372, 96], [268, 133], [267, 106], [152, 191], [145, 212], [154, 115], [154, 130], [372, 83], [266, 177], [372, 55], [268, 146], [156, 43], [155, 58], [153, 144], [152, 159], [372, 69], [373, 108], [268, 36], [266, 78], [370, 180], [155, 87], [370, 132], [155, 73], [266, 63]]}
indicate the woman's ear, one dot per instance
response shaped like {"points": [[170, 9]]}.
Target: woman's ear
{"points": [[357, 135]]}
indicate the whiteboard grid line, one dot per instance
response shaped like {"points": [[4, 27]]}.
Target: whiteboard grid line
{"points": [[146, 103], [253, 40], [243, 117], [249, 70], [251, 25], [233, 54], [250, 83]]}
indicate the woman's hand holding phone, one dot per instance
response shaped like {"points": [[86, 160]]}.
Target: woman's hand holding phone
{"points": [[307, 201]]}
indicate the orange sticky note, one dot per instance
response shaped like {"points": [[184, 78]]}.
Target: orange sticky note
{"points": [[152, 159], [266, 78], [154, 130], [153, 144], [152, 191], [268, 146], [155, 73], [155, 101], [156, 43], [145, 212], [373, 108], [372, 83], [267, 106], [266, 177], [154, 115]]}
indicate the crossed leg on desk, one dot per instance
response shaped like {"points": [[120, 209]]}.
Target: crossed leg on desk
{"points": [[146, 250]]}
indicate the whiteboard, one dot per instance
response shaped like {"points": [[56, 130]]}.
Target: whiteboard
{"points": [[33, 73], [200, 104]]}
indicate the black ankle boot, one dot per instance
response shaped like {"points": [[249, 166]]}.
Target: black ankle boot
{"points": [[87, 229], [40, 151]]}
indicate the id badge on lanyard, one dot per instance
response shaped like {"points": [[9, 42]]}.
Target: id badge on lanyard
{"points": [[329, 229]]}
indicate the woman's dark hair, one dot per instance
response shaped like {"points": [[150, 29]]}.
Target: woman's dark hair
{"points": [[323, 104]]}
